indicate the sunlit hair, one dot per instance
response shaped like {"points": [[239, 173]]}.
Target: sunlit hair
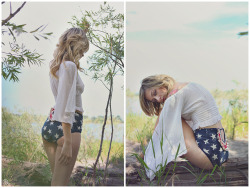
{"points": [[156, 81], [72, 45]]}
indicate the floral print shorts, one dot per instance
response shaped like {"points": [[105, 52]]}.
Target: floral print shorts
{"points": [[212, 142]]}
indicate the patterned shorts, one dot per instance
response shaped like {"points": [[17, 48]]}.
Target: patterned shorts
{"points": [[210, 141], [52, 130]]}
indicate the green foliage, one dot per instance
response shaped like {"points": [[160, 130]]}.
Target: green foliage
{"points": [[243, 33], [233, 106], [14, 58], [100, 119], [139, 128], [20, 140], [105, 31], [89, 147], [89, 150], [164, 171]]}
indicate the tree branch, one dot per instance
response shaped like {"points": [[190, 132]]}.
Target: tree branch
{"points": [[112, 127], [107, 52], [12, 15], [103, 129], [103, 84], [100, 31], [10, 9], [116, 62]]}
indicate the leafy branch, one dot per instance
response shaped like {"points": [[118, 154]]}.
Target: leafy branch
{"points": [[105, 32], [18, 55]]}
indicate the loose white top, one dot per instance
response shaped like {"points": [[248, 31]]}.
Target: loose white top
{"points": [[194, 104], [67, 92]]}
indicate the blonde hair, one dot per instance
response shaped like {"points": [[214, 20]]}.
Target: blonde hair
{"points": [[72, 45], [154, 108]]}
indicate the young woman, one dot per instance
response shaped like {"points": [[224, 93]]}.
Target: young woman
{"points": [[61, 132], [188, 124]]}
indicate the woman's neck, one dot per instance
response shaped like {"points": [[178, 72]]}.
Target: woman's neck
{"points": [[175, 89]]}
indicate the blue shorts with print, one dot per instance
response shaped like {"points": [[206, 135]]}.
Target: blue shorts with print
{"points": [[52, 130], [212, 145]]}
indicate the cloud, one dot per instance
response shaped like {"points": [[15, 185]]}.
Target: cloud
{"points": [[177, 15]]}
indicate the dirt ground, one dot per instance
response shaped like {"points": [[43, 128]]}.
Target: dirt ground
{"points": [[238, 148], [38, 174]]}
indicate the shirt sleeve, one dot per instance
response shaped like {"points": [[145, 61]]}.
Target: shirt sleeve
{"points": [[66, 94], [167, 141]]}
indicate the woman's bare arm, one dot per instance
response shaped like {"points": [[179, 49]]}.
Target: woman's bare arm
{"points": [[67, 145]]}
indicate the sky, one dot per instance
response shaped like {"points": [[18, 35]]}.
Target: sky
{"points": [[190, 41], [32, 93]]}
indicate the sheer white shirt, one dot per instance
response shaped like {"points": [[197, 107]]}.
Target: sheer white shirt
{"points": [[193, 103], [67, 90]]}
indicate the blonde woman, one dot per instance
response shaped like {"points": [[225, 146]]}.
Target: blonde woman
{"points": [[188, 124], [61, 132]]}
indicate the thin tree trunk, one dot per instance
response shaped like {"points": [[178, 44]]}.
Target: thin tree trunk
{"points": [[112, 130], [103, 129]]}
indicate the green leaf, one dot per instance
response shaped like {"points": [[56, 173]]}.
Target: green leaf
{"points": [[36, 29], [152, 146], [140, 160], [12, 34]]}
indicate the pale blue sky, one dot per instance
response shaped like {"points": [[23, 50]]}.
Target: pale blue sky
{"points": [[32, 93], [190, 41], [195, 42]]}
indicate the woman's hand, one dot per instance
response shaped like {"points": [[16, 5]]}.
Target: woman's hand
{"points": [[66, 153]]}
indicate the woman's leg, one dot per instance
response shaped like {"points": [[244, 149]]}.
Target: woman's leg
{"points": [[50, 149], [194, 154], [62, 172]]}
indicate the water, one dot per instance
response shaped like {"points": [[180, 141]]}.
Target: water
{"points": [[94, 130]]}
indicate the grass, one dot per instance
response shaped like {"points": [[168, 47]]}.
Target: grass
{"points": [[139, 129], [22, 142], [165, 173]]}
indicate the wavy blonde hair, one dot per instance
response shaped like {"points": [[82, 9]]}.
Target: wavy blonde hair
{"points": [[72, 45], [154, 108]]}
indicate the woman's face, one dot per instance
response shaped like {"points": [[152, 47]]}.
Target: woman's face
{"points": [[156, 94]]}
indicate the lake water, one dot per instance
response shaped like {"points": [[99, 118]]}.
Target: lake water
{"points": [[94, 130]]}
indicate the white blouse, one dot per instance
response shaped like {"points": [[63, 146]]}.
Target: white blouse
{"points": [[67, 92], [194, 104]]}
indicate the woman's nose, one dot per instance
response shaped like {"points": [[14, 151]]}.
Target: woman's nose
{"points": [[157, 98]]}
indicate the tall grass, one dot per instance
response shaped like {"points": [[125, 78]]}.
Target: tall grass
{"points": [[139, 127], [233, 106], [165, 173], [22, 141]]}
